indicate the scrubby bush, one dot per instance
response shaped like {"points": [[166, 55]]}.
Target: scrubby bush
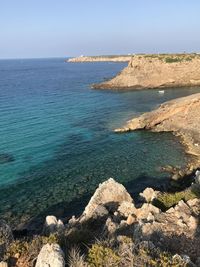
{"points": [[28, 249], [166, 200], [101, 256]]}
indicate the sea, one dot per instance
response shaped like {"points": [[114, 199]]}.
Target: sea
{"points": [[57, 140]]}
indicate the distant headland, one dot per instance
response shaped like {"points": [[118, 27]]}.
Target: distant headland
{"points": [[108, 58]]}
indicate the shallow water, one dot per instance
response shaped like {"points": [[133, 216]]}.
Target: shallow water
{"points": [[60, 134]]}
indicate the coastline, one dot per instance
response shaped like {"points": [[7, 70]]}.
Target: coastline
{"points": [[178, 116]]}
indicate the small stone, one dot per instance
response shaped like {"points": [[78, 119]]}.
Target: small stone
{"points": [[149, 194], [130, 220]]}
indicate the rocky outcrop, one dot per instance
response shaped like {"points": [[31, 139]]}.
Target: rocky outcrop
{"points": [[124, 58], [180, 116], [178, 227], [51, 256], [157, 71], [107, 197]]}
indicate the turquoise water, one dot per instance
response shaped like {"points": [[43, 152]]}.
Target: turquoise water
{"points": [[60, 134]]}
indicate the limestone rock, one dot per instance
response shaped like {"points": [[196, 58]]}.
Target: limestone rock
{"points": [[52, 225], [147, 210], [6, 237], [109, 194], [149, 194], [50, 256], [126, 208]]}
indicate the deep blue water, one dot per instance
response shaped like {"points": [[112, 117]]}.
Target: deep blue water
{"points": [[60, 135]]}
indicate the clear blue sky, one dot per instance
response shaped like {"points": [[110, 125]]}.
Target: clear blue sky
{"points": [[57, 28]]}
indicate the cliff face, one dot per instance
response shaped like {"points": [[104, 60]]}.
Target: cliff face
{"points": [[124, 58], [157, 71], [180, 116]]}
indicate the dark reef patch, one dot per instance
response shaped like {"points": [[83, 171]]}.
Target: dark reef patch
{"points": [[6, 157]]}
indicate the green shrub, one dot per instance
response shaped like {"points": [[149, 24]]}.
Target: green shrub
{"points": [[101, 256], [166, 200], [173, 59]]}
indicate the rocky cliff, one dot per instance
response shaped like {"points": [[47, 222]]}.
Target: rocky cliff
{"points": [[123, 58], [157, 71]]}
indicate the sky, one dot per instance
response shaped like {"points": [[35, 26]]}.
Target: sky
{"points": [[64, 28]]}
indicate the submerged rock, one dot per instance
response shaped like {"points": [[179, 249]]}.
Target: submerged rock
{"points": [[50, 256], [109, 194], [5, 158]]}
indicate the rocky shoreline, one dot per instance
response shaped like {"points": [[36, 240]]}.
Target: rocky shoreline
{"points": [[161, 230], [156, 71]]}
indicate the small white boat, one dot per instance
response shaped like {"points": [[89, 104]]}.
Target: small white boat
{"points": [[161, 92]]}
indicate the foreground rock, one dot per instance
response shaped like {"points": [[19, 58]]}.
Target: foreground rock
{"points": [[107, 197], [180, 116], [50, 256], [124, 58], [157, 71]]}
